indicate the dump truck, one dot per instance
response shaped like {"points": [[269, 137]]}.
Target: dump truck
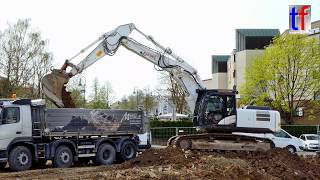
{"points": [[31, 134]]}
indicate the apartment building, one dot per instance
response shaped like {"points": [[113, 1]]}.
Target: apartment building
{"points": [[228, 71]]}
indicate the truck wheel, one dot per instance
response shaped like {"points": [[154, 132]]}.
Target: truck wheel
{"points": [[106, 154], [128, 150], [20, 158], [291, 149], [63, 157], [3, 165]]}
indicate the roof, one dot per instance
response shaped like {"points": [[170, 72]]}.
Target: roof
{"points": [[259, 32], [220, 58], [315, 24]]}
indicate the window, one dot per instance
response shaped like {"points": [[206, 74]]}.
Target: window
{"points": [[281, 134], [222, 67], [231, 110], [312, 137], [10, 115]]}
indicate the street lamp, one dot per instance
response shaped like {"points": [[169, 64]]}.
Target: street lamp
{"points": [[136, 91], [83, 88]]}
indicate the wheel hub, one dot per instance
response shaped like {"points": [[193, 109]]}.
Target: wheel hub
{"points": [[65, 157], [106, 155], [23, 158], [128, 151]]}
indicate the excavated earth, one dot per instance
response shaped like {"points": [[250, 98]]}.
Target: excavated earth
{"points": [[171, 163]]}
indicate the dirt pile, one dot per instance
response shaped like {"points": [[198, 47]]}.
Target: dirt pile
{"points": [[156, 157], [171, 163], [67, 99], [276, 163]]}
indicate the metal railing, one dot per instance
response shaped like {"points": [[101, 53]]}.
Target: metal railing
{"points": [[160, 135]]}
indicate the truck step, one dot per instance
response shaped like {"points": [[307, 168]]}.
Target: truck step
{"points": [[87, 155], [86, 147]]}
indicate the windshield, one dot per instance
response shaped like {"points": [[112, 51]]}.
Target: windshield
{"points": [[312, 137]]}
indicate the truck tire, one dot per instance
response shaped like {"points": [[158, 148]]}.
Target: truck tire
{"points": [[20, 158], [106, 154], [128, 151], [3, 165], [63, 157]]}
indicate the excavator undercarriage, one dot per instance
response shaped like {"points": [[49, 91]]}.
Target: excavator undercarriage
{"points": [[219, 142]]}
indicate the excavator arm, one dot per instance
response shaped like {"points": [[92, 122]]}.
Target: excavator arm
{"points": [[53, 84]]}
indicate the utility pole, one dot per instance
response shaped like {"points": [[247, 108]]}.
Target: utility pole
{"points": [[136, 91], [83, 89]]}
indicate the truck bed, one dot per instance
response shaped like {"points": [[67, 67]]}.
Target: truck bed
{"points": [[92, 122]]}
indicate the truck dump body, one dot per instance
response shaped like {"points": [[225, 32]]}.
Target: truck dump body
{"points": [[93, 121]]}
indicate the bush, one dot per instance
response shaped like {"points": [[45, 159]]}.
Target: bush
{"points": [[183, 123]]}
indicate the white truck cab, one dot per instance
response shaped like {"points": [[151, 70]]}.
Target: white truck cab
{"points": [[15, 122]]}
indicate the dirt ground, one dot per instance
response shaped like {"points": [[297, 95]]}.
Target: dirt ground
{"points": [[174, 164]]}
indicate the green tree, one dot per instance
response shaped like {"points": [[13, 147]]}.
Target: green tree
{"points": [[286, 76], [77, 88], [141, 98], [102, 96], [24, 59]]}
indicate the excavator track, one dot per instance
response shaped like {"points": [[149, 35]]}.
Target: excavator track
{"points": [[220, 142]]}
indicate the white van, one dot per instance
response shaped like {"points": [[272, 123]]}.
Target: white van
{"points": [[281, 139]]}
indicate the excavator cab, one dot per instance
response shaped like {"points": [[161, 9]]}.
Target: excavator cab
{"points": [[215, 108]]}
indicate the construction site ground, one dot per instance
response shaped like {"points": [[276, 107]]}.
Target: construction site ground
{"points": [[169, 163]]}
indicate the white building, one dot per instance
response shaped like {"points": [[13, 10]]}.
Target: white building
{"points": [[228, 71], [164, 105]]}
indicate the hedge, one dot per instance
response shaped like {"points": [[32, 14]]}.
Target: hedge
{"points": [[297, 130], [184, 123]]}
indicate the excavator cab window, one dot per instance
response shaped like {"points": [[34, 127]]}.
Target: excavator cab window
{"points": [[217, 107]]}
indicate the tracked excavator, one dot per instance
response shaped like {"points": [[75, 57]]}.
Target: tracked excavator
{"points": [[215, 115]]}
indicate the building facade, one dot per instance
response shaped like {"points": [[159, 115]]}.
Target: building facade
{"points": [[228, 71]]}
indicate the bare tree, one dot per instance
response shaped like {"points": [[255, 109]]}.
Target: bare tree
{"points": [[174, 92], [24, 59]]}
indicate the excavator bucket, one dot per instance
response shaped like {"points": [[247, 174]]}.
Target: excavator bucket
{"points": [[53, 87]]}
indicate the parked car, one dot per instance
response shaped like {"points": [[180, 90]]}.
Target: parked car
{"points": [[310, 141], [281, 139]]}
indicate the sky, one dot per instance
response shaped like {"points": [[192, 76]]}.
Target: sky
{"points": [[193, 29]]}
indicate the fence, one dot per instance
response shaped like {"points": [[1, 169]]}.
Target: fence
{"points": [[160, 135]]}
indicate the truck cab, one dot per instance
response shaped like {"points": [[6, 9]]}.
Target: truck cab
{"points": [[15, 123]]}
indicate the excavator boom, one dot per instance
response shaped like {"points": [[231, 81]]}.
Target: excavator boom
{"points": [[53, 84]]}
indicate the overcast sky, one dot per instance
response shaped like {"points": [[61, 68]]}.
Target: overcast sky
{"points": [[195, 30]]}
